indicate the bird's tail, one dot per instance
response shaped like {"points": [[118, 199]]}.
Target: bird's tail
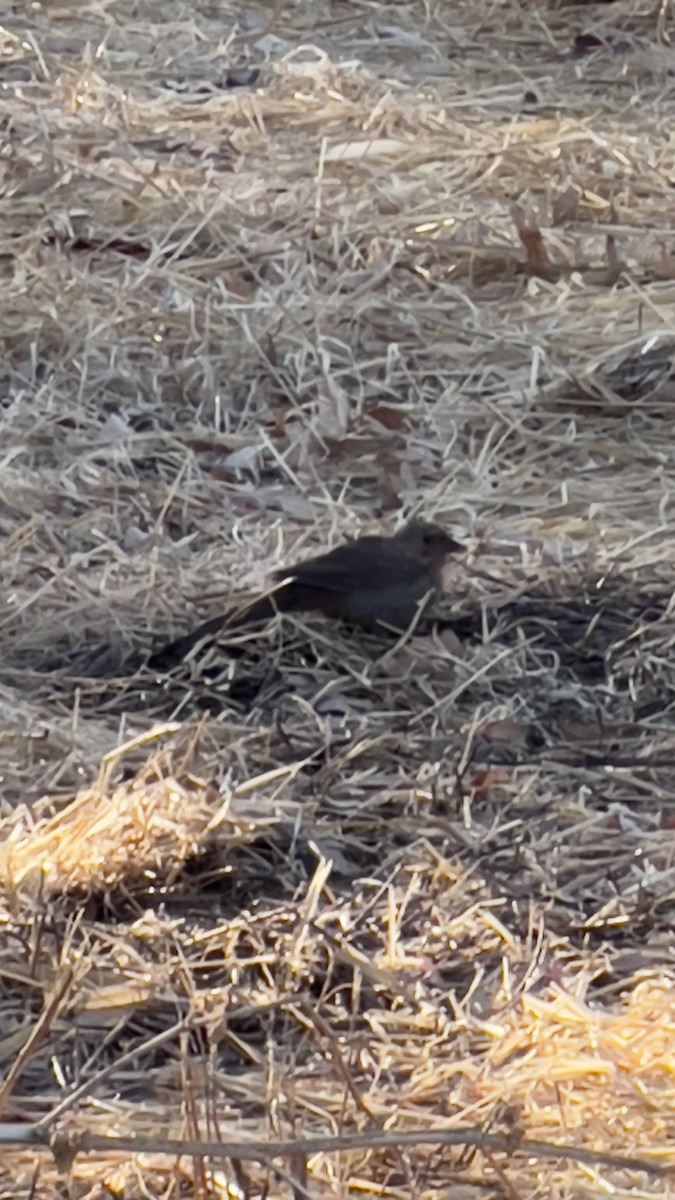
{"points": [[175, 652]]}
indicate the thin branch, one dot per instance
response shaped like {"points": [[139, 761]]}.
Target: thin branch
{"points": [[67, 1143]]}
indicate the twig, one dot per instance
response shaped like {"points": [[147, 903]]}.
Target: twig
{"points": [[67, 1143]]}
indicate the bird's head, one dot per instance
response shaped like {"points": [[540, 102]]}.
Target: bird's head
{"points": [[430, 544]]}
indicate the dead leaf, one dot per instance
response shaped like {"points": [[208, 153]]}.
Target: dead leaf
{"points": [[242, 289], [505, 731], [483, 781], [390, 493], [207, 445], [391, 418], [339, 449], [531, 238]]}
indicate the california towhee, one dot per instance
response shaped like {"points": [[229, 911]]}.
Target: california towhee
{"points": [[373, 581]]}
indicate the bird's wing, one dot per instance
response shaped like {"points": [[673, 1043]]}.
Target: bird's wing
{"points": [[347, 568]]}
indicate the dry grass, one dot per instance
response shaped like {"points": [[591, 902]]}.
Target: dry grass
{"points": [[313, 886]]}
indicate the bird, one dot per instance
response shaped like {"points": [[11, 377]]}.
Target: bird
{"points": [[374, 582]]}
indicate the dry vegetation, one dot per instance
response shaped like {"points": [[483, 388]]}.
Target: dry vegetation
{"points": [[273, 275]]}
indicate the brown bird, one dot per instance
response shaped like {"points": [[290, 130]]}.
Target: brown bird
{"points": [[372, 582]]}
